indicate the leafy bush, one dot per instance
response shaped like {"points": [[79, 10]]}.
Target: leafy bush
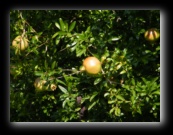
{"points": [[127, 89]]}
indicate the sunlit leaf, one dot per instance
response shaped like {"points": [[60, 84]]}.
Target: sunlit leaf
{"points": [[133, 81], [91, 106], [80, 50], [106, 94], [115, 38], [111, 111], [73, 48], [45, 110], [64, 90], [88, 29], [111, 101], [118, 66], [62, 33], [38, 73], [57, 41], [77, 109], [66, 26], [156, 92], [117, 111], [72, 25], [62, 24], [53, 65], [122, 72], [120, 97], [52, 73], [139, 109], [94, 94], [64, 102], [97, 81], [59, 81], [57, 25], [54, 35]]}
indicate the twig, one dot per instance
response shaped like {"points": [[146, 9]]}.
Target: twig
{"points": [[37, 47], [70, 74]]}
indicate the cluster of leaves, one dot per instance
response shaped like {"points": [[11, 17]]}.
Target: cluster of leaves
{"points": [[127, 89]]}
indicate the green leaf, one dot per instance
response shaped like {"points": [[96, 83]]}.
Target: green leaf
{"points": [[133, 93], [65, 26], [147, 99], [45, 64], [62, 33], [81, 36], [49, 25], [80, 50], [93, 95], [62, 89], [126, 87], [133, 96], [62, 24], [143, 94], [45, 110], [61, 82], [53, 65], [97, 81], [117, 111], [64, 102], [38, 73], [34, 39], [122, 72], [115, 38], [106, 94], [157, 103], [52, 73], [35, 51], [77, 109], [57, 40], [120, 97], [84, 98], [144, 80], [57, 25], [91, 106], [72, 25], [156, 93], [118, 66], [69, 35], [111, 101], [54, 35], [139, 109], [154, 80], [73, 48], [133, 81], [74, 70], [111, 111], [88, 29]]}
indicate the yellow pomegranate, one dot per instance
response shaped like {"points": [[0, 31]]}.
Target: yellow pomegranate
{"points": [[92, 65], [53, 87], [152, 35], [20, 43], [39, 84]]}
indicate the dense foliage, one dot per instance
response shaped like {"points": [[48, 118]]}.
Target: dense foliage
{"points": [[127, 89]]}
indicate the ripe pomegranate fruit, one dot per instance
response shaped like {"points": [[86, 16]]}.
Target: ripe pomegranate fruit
{"points": [[92, 65], [152, 34], [20, 43]]}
